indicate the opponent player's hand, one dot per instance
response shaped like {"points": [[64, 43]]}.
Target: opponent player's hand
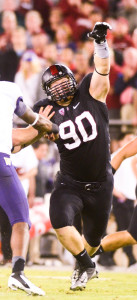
{"points": [[46, 113], [99, 32]]}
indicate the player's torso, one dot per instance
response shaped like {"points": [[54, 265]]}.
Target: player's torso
{"points": [[84, 138]]}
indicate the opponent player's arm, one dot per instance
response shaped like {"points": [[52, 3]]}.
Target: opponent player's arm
{"points": [[100, 85], [39, 122], [126, 151], [22, 137]]}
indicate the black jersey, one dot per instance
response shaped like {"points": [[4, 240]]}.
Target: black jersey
{"points": [[84, 135]]}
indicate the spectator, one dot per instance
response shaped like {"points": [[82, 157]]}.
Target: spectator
{"points": [[82, 24], [70, 9], [111, 35], [33, 24], [128, 10], [39, 42], [114, 7], [81, 65], [19, 42], [87, 7], [113, 102], [134, 38], [88, 48], [126, 85], [28, 76], [122, 38], [50, 54], [96, 16], [10, 59], [74, 16], [26, 164], [66, 57], [12, 6], [63, 37], [103, 4], [55, 20], [25, 6], [9, 24], [42, 6]]}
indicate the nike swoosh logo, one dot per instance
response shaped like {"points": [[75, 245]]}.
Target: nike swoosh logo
{"points": [[83, 253], [76, 105]]}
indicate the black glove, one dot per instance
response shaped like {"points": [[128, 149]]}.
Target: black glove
{"points": [[99, 32]]}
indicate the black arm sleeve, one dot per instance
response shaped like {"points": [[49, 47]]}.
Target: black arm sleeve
{"points": [[113, 171], [39, 104]]}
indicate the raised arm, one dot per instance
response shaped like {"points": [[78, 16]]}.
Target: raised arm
{"points": [[99, 85], [126, 151]]}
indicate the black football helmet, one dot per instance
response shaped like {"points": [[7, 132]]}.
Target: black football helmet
{"points": [[62, 90]]}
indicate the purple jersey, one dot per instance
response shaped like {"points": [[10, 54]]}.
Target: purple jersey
{"points": [[12, 196]]}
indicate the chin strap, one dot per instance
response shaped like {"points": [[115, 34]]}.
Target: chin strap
{"points": [[101, 73]]}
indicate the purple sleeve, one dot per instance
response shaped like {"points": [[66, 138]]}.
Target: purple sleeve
{"points": [[20, 107]]}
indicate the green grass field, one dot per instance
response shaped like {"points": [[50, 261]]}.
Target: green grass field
{"points": [[109, 286]]}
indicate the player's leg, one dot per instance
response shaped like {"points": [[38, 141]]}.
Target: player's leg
{"points": [[70, 239], [90, 249], [15, 204], [117, 240], [123, 213], [20, 239], [64, 205], [120, 239], [6, 229], [132, 229], [96, 215], [78, 225]]}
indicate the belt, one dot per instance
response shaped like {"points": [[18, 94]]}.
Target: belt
{"points": [[92, 186], [88, 186]]}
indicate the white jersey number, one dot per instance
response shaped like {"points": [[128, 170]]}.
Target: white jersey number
{"points": [[70, 127]]}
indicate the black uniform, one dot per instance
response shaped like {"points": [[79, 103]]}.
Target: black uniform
{"points": [[132, 229], [85, 182]]}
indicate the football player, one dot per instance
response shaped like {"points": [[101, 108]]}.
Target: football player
{"points": [[85, 182], [127, 237], [13, 200]]}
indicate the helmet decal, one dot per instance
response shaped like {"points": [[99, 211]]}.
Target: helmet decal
{"points": [[54, 70]]}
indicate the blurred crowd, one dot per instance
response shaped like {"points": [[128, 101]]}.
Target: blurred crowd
{"points": [[37, 33]]}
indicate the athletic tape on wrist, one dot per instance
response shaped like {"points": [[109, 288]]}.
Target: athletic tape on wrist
{"points": [[36, 120], [101, 50]]}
